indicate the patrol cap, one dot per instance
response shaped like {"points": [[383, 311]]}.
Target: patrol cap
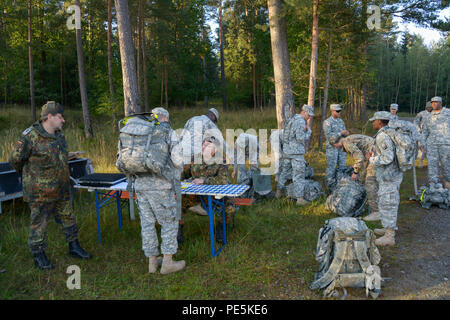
{"points": [[335, 107], [215, 112], [394, 106], [161, 111], [51, 107], [436, 99], [381, 115], [429, 105], [308, 109]]}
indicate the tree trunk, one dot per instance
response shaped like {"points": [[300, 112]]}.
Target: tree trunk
{"points": [[144, 74], [325, 90], [280, 55], [30, 59], [82, 80], [139, 51], [222, 60], [130, 93], [314, 54], [110, 68]]}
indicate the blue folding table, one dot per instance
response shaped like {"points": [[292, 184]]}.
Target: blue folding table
{"points": [[212, 198], [219, 192]]}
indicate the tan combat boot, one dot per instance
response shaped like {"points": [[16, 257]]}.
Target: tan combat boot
{"points": [[374, 216], [387, 240], [278, 194], [153, 263], [301, 201], [420, 164], [379, 232], [169, 266]]}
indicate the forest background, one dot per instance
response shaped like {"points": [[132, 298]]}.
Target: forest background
{"points": [[181, 63]]}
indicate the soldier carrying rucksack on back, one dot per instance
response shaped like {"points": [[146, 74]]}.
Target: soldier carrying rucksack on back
{"points": [[389, 178], [146, 150]]}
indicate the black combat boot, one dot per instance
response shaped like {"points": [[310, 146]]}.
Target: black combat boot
{"points": [[180, 236], [78, 252], [41, 261]]}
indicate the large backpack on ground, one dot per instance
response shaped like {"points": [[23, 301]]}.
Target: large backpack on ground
{"points": [[143, 145], [434, 194], [312, 191], [401, 133], [348, 199], [347, 257]]}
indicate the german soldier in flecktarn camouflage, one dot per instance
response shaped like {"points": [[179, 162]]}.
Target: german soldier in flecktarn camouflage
{"points": [[208, 174], [40, 157]]}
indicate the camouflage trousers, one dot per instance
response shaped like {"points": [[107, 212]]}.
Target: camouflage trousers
{"points": [[336, 158], [41, 213], [421, 155], [368, 177], [436, 154], [188, 201], [295, 169], [389, 200], [158, 206]]}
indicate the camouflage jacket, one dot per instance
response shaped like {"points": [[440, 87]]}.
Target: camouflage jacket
{"points": [[436, 129], [41, 159], [200, 128], [420, 119], [295, 137], [357, 145], [211, 174], [393, 117], [246, 146], [386, 166], [332, 129]]}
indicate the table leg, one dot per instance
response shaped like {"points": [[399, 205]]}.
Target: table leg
{"points": [[97, 209], [224, 223], [119, 208], [211, 226]]}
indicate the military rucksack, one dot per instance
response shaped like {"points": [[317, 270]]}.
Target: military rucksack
{"points": [[312, 191], [403, 138], [143, 145], [347, 257], [434, 194], [348, 199]]}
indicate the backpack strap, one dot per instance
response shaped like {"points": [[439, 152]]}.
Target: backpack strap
{"points": [[330, 276]]}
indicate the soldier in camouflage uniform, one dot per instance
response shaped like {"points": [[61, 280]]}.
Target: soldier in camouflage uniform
{"points": [[296, 134], [334, 129], [40, 157], [393, 111], [208, 174], [246, 146], [436, 132], [419, 122], [359, 146], [198, 129], [156, 201], [389, 178]]}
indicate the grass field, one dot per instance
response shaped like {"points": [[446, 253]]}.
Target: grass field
{"points": [[270, 254]]}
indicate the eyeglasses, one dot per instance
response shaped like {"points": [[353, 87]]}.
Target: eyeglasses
{"points": [[338, 111]]}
